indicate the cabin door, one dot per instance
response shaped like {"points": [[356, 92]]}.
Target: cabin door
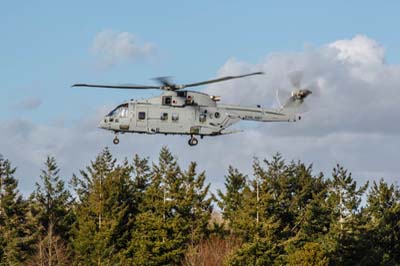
{"points": [[141, 116]]}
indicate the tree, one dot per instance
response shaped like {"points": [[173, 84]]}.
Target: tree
{"points": [[52, 208], [311, 254], [193, 203], [16, 241], [232, 201], [104, 208], [284, 209], [383, 211], [174, 213], [347, 226]]}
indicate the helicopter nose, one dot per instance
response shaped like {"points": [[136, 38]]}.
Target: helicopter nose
{"points": [[102, 124]]}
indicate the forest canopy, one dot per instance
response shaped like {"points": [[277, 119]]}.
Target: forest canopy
{"points": [[137, 212]]}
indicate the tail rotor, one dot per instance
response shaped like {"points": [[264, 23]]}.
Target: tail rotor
{"points": [[295, 98]]}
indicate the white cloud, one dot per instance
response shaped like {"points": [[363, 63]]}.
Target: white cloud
{"points": [[347, 102], [111, 47], [353, 122], [360, 49]]}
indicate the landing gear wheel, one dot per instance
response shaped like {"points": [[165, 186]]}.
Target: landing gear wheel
{"points": [[116, 140], [193, 141]]}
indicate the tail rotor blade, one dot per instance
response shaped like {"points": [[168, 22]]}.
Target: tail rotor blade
{"points": [[282, 96], [315, 88]]}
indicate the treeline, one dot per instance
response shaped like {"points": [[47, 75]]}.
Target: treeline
{"points": [[141, 213]]}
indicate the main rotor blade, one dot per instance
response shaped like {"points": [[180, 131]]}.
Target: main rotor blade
{"points": [[127, 86], [166, 81], [295, 78], [219, 79]]}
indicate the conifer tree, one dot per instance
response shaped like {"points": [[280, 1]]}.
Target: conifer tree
{"points": [[152, 243], [232, 201], [104, 209], [383, 212], [16, 241], [265, 208], [193, 203], [288, 211], [173, 214], [347, 225], [52, 208]]}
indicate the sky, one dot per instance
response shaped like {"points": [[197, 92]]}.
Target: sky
{"points": [[351, 49]]}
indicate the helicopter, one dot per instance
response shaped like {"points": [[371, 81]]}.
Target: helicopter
{"points": [[193, 113]]}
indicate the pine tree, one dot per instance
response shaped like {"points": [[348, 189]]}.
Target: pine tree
{"points": [[174, 213], [52, 208], [285, 209], [311, 254], [232, 201], [265, 207], [308, 207], [16, 241], [141, 176], [347, 226], [193, 204], [104, 210], [383, 211]]}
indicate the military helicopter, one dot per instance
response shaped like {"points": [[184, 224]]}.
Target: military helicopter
{"points": [[193, 113]]}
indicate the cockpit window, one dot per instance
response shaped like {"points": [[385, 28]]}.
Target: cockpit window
{"points": [[119, 111]]}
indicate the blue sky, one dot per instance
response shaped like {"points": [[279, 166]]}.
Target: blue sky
{"points": [[46, 46]]}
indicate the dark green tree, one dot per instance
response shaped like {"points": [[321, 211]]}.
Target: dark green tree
{"points": [[383, 212], [104, 208], [347, 225], [16, 240], [265, 207], [192, 203], [52, 208], [285, 209], [174, 213], [232, 201]]}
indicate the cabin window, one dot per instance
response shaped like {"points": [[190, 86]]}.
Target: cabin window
{"points": [[166, 100], [217, 115], [164, 116], [175, 117], [142, 115], [202, 118]]}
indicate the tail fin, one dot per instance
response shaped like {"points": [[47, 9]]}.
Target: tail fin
{"points": [[293, 104]]}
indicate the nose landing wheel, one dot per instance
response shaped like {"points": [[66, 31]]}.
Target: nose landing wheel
{"points": [[116, 140], [193, 141]]}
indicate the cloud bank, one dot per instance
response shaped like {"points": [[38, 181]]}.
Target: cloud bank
{"points": [[112, 47], [353, 121]]}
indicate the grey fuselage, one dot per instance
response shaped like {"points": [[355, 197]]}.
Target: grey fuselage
{"points": [[185, 113]]}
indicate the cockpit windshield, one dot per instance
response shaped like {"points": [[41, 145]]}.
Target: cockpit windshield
{"points": [[119, 111]]}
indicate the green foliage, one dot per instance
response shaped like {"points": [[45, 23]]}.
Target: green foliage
{"points": [[16, 230], [347, 226], [103, 212], [51, 208], [311, 254], [133, 213], [174, 213], [383, 212], [52, 202], [232, 202]]}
